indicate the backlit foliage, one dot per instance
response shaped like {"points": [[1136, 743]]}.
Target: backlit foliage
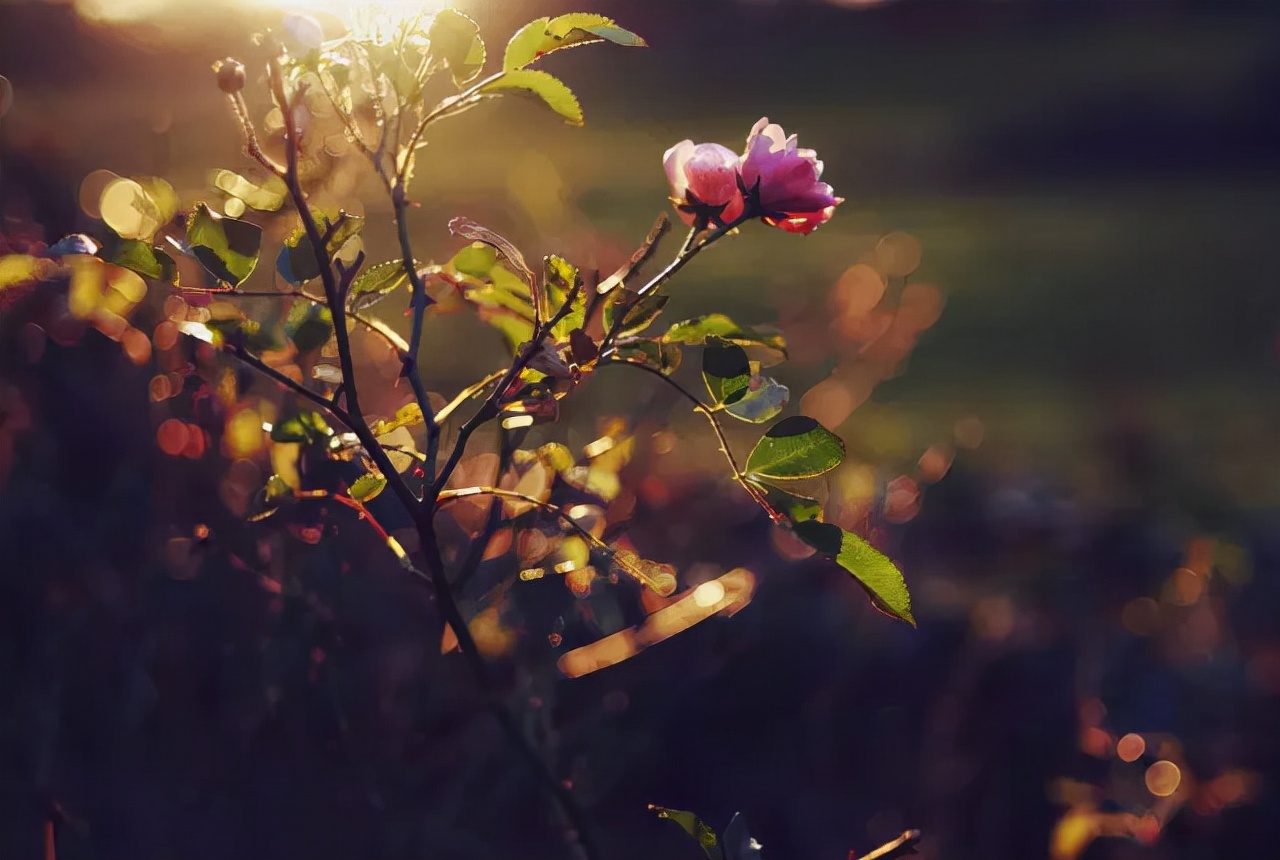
{"points": [[265, 274]]}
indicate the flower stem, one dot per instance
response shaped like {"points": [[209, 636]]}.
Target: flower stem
{"points": [[687, 252], [709, 412]]}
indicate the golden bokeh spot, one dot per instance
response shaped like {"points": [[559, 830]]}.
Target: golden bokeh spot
{"points": [[1131, 747], [708, 594], [1163, 778], [88, 280], [92, 188], [243, 436]]}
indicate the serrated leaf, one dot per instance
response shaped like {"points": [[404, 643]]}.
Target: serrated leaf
{"points": [[764, 398], [694, 826], [769, 348], [227, 247], [306, 427], [578, 27], [525, 45], [664, 357], [538, 38], [138, 256], [367, 486], [551, 90], [267, 196], [873, 570], [309, 325], [375, 283], [638, 313], [794, 506], [795, 447], [455, 40]]}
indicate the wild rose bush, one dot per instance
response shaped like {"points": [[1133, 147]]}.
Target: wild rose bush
{"points": [[406, 474]]}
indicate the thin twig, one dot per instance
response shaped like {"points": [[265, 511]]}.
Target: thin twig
{"points": [[687, 253], [356, 505], [440, 111], [333, 294], [489, 409], [493, 519], [466, 394], [419, 303], [454, 495], [710, 413], [290, 383], [904, 844]]}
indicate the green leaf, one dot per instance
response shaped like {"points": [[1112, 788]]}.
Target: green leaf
{"points": [[476, 260], [277, 488], [577, 28], [309, 325], [551, 90], [768, 348], [638, 313], [794, 506], [375, 283], [297, 261], [526, 45], [664, 357], [795, 447], [764, 398], [265, 197], [561, 278], [367, 486], [455, 40], [694, 826], [515, 329], [305, 427], [540, 37], [140, 257], [873, 570], [269, 498], [227, 247], [727, 373]]}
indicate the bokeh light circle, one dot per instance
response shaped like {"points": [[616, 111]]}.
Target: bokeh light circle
{"points": [[1131, 747], [1163, 778]]}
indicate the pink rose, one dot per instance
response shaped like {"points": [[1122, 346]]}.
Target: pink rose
{"points": [[704, 182], [784, 179]]}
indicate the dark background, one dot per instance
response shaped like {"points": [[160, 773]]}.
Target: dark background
{"points": [[1094, 186]]}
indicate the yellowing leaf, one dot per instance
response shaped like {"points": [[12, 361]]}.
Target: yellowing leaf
{"points": [[544, 35], [551, 90]]}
